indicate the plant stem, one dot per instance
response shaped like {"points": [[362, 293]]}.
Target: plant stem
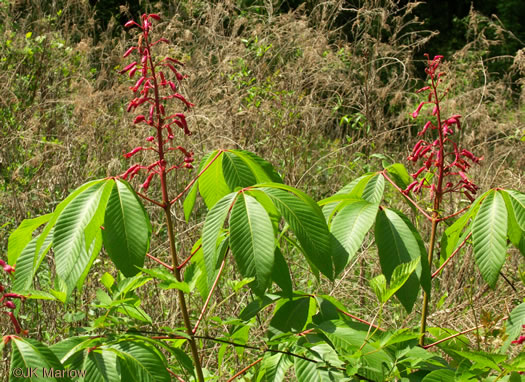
{"points": [[438, 195], [426, 296], [178, 276], [169, 223]]}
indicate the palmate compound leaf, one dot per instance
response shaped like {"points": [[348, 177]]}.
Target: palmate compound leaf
{"points": [[77, 233], [489, 236], [397, 244], [306, 220], [252, 241], [127, 229]]}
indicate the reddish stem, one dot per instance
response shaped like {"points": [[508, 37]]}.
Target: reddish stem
{"points": [[406, 196], [360, 320], [203, 311], [150, 200], [452, 336], [452, 255], [245, 370], [160, 262], [455, 213], [197, 177], [189, 257]]}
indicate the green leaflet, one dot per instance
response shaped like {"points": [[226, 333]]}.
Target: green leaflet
{"points": [[230, 170], [350, 227], [212, 185], [76, 232], [307, 371], [514, 209], [127, 229], [454, 235], [399, 175], [211, 233], [307, 222], [396, 245], [236, 171], [274, 367], [399, 277], [140, 363], [252, 241], [489, 236], [369, 187], [22, 236], [514, 324]]}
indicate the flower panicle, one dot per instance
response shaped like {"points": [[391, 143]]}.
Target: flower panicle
{"points": [[155, 90], [433, 152]]}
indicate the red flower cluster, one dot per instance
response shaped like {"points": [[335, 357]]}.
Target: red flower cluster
{"points": [[5, 300], [433, 152], [154, 88]]}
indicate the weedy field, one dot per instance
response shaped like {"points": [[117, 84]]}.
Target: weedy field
{"points": [[260, 190]]}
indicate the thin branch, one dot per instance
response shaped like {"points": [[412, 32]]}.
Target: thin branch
{"points": [[209, 297], [197, 177], [452, 255], [160, 261], [414, 203], [175, 375], [245, 370], [452, 336], [262, 349], [455, 213], [360, 320], [149, 200], [189, 257]]}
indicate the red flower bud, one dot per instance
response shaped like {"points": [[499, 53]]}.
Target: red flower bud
{"points": [[139, 118], [154, 16], [9, 269], [128, 52], [130, 24], [129, 67], [150, 139], [145, 185], [416, 112], [133, 152], [10, 305], [423, 89], [180, 97]]}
